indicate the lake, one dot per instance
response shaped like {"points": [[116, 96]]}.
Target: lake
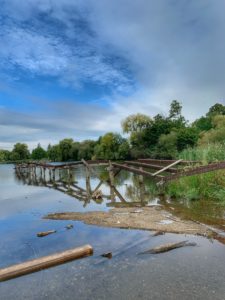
{"points": [[185, 273]]}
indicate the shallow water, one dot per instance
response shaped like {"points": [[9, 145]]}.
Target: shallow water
{"points": [[185, 273]]}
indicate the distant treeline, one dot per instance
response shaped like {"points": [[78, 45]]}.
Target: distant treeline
{"points": [[157, 137]]}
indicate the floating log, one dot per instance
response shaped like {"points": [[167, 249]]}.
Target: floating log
{"points": [[44, 233], [44, 262], [168, 247]]}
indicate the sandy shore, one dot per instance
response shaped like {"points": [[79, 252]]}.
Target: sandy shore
{"points": [[147, 218]]}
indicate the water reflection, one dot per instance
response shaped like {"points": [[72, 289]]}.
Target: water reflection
{"points": [[121, 190]]}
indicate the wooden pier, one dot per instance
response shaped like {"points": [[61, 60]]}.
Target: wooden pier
{"points": [[61, 176]]}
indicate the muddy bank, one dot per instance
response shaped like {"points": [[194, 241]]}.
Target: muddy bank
{"points": [[147, 218]]}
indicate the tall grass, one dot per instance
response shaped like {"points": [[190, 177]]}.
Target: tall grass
{"points": [[207, 186], [205, 154]]}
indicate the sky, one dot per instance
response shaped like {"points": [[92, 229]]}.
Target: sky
{"points": [[76, 68]]}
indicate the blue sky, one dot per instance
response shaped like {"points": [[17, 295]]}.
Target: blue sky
{"points": [[77, 68]]}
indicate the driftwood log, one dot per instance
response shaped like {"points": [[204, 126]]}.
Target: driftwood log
{"points": [[168, 247], [44, 262], [44, 233]]}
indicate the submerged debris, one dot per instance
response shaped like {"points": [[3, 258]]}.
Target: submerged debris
{"points": [[158, 233], [168, 247], [107, 255], [44, 233], [69, 226]]}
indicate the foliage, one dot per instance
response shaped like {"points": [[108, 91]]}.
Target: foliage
{"points": [[215, 134], [54, 153], [86, 149], [206, 154], [66, 148], [20, 152], [206, 186], [136, 123], [160, 136], [38, 153], [111, 146], [216, 109]]}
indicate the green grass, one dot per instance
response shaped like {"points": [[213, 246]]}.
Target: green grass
{"points": [[205, 154], [206, 186]]}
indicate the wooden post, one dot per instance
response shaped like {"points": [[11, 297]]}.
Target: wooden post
{"points": [[44, 262], [111, 181], [141, 186], [68, 178], [53, 174], [88, 185]]}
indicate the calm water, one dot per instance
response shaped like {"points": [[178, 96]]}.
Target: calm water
{"points": [[186, 273]]}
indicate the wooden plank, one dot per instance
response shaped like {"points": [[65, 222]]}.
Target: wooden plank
{"points": [[166, 161], [150, 166], [196, 171], [118, 194], [44, 262], [136, 171], [167, 167]]}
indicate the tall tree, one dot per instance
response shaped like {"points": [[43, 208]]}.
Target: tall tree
{"points": [[38, 152], [136, 123], [66, 147], [20, 151]]}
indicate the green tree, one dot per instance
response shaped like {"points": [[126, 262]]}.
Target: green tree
{"points": [[217, 109], [136, 123], [109, 147], [20, 152], [66, 147], [167, 146], [54, 153], [38, 153], [203, 124], [86, 149], [216, 134], [186, 137]]}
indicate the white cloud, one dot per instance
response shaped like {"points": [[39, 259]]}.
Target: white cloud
{"points": [[174, 49]]}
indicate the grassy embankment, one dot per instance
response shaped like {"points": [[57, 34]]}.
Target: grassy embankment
{"points": [[206, 186]]}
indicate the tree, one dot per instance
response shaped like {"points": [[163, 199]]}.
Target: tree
{"points": [[167, 146], [175, 110], [66, 147], [203, 124], [217, 109], [110, 147], [175, 115], [54, 153], [136, 123], [20, 151], [86, 149], [38, 153], [216, 134], [186, 137]]}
